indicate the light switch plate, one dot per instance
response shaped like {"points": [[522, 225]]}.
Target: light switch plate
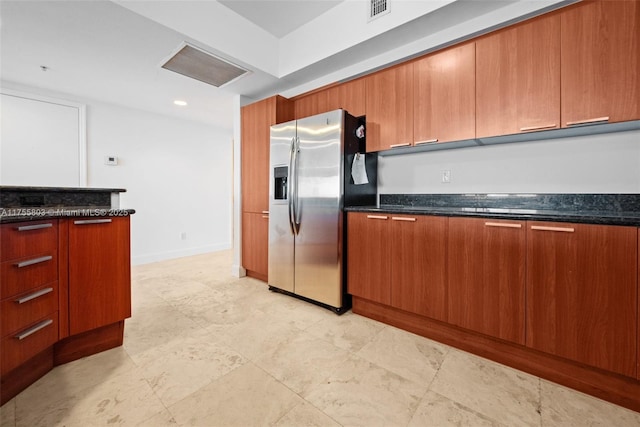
{"points": [[111, 160]]}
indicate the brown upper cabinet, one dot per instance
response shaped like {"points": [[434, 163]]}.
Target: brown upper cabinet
{"points": [[256, 120], [349, 96], [600, 42], [444, 107], [518, 78], [389, 108]]}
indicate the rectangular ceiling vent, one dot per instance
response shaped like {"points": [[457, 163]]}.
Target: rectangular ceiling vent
{"points": [[377, 8], [200, 65]]}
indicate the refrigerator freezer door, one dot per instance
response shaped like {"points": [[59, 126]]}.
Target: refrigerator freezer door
{"points": [[318, 251], [281, 241]]}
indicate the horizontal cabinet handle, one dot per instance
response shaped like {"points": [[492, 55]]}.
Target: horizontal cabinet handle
{"points": [[589, 121], [35, 227], [34, 295], [405, 144], [377, 217], [34, 329], [559, 229], [265, 212], [528, 128], [265, 216], [502, 224], [34, 261], [91, 221], [401, 218], [426, 141]]}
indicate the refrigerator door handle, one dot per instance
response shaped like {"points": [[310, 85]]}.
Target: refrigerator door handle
{"points": [[291, 185], [296, 199]]}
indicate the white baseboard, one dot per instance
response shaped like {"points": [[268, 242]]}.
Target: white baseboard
{"points": [[161, 256], [238, 270]]}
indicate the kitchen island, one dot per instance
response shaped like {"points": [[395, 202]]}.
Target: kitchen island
{"points": [[545, 283], [66, 279]]}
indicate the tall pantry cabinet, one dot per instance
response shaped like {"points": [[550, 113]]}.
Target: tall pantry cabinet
{"points": [[256, 119]]}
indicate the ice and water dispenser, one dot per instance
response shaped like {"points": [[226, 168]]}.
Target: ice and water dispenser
{"points": [[280, 175]]}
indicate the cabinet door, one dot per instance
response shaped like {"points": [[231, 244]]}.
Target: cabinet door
{"points": [[349, 96], [582, 293], [389, 107], [486, 268], [312, 104], [255, 244], [518, 78], [600, 49], [418, 268], [368, 257], [99, 272], [445, 92]]}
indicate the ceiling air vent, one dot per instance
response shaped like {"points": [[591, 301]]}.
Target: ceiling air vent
{"points": [[200, 65], [377, 8]]}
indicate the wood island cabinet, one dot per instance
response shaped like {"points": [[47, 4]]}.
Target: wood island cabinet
{"points": [[518, 78], [582, 290], [99, 272], [444, 100], [256, 120], [389, 108], [486, 260], [600, 62]]}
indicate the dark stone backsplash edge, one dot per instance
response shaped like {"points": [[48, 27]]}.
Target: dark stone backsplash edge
{"points": [[593, 203]]}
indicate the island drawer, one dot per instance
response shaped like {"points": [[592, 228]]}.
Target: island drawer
{"points": [[26, 308], [22, 274], [24, 239], [28, 342]]}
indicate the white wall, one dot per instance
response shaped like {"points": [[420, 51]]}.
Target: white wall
{"points": [[604, 163], [177, 173]]}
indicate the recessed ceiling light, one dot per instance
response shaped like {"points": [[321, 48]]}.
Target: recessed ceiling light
{"points": [[180, 103]]}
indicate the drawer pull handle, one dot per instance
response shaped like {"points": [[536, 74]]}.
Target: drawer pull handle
{"points": [[502, 224], [404, 144], [91, 221], [34, 329], [426, 141], [401, 218], [265, 212], [35, 227], [34, 295], [529, 128], [34, 261], [265, 216], [560, 229], [377, 217], [589, 121]]}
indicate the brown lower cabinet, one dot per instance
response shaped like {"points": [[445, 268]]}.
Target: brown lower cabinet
{"points": [[582, 290], [486, 276], [255, 244], [407, 271], [558, 300]]}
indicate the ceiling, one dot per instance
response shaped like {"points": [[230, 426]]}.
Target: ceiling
{"points": [[112, 51]]}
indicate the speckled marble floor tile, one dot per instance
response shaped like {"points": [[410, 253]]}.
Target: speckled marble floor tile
{"points": [[245, 397], [410, 356], [204, 348], [564, 407], [496, 391]]}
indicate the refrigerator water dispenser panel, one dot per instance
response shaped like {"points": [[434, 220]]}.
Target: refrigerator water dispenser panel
{"points": [[280, 175]]}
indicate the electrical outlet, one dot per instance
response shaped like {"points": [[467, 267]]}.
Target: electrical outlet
{"points": [[446, 176], [183, 235]]}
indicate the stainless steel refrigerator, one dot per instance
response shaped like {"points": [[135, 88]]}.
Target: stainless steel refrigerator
{"points": [[310, 184]]}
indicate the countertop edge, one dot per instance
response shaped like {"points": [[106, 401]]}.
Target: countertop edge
{"points": [[27, 189]]}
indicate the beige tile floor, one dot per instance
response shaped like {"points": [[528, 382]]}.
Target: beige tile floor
{"points": [[204, 348]]}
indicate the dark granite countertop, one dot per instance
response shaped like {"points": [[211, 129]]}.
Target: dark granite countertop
{"points": [[25, 189], [9, 215], [609, 209]]}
